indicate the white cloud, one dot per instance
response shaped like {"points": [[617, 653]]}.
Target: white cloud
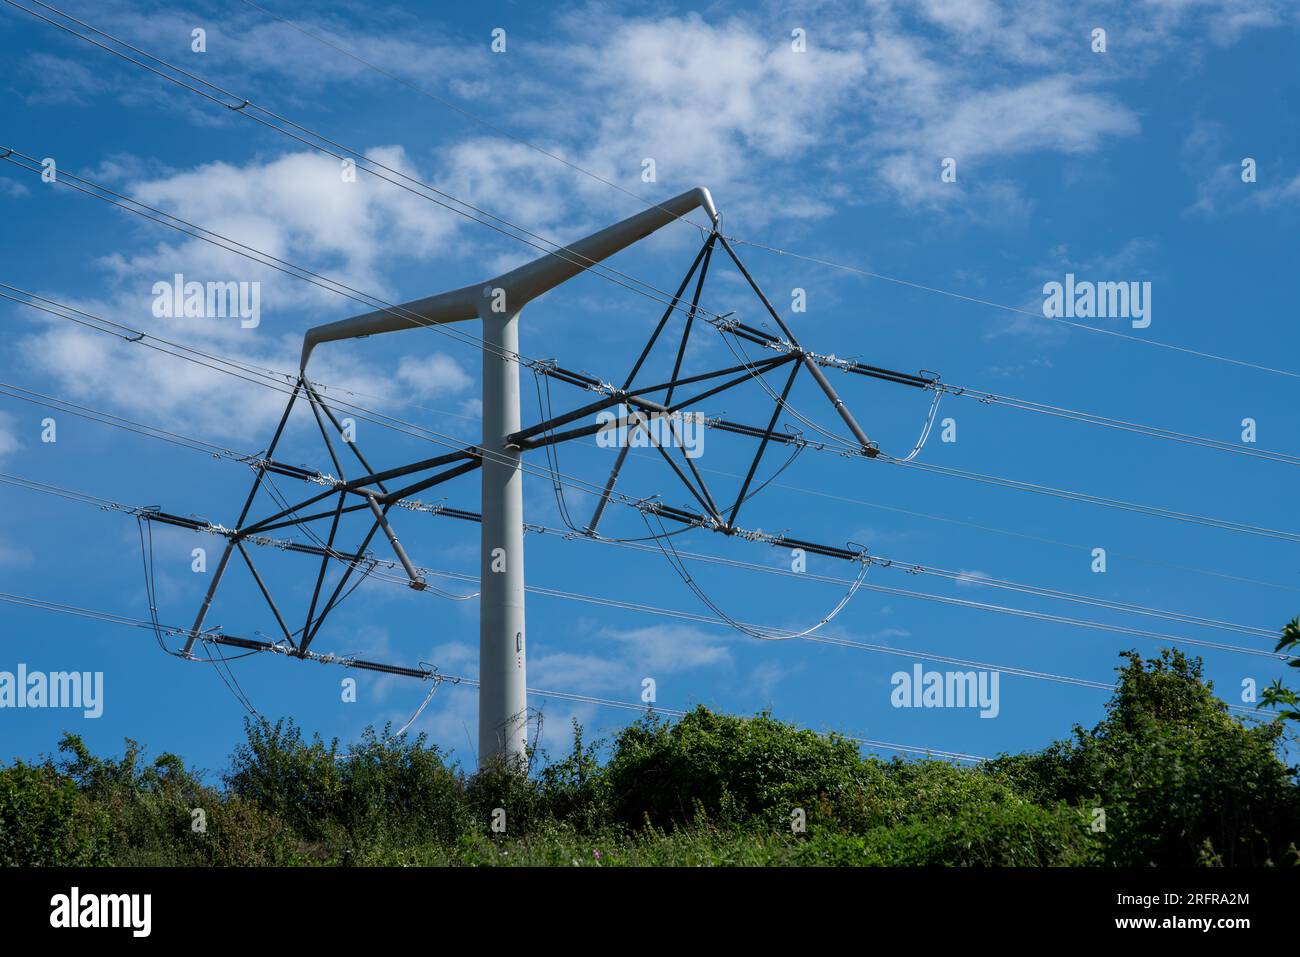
{"points": [[433, 375], [973, 576], [566, 671], [246, 47], [766, 676], [59, 81], [633, 654], [1287, 192], [667, 649], [707, 101], [864, 113], [296, 207]]}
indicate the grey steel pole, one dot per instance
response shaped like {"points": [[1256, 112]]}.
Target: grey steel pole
{"points": [[503, 671]]}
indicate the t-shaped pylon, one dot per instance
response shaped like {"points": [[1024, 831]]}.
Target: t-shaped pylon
{"points": [[503, 704]]}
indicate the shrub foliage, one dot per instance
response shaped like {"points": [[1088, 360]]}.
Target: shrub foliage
{"points": [[1171, 775]]}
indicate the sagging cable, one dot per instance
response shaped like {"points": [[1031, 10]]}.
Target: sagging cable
{"points": [[674, 560]]}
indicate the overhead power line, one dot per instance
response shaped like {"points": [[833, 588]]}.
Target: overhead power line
{"points": [[644, 608], [1155, 511], [1138, 428], [279, 381], [424, 673], [660, 295], [540, 435], [126, 332], [787, 253], [211, 449], [302, 134], [263, 540]]}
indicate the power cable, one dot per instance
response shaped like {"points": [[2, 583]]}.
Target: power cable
{"points": [[757, 245], [454, 680]]}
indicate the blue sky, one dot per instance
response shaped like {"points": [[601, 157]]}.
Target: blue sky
{"points": [[1116, 166]]}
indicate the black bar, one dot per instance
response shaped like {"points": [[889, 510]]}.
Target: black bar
{"points": [[416, 581], [650, 406], [674, 382], [324, 564], [393, 498], [329, 444], [759, 292], [520, 438], [654, 336], [690, 318], [352, 445], [762, 446], [248, 503], [265, 593]]}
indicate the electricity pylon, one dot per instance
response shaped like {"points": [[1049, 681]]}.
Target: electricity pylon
{"points": [[498, 303]]}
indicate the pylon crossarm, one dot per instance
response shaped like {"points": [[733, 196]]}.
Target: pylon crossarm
{"points": [[269, 522], [243, 515], [265, 592], [690, 315], [531, 437], [760, 365], [417, 582], [351, 445], [672, 307], [762, 445], [357, 485], [618, 396], [324, 562], [392, 498], [301, 521], [309, 632], [329, 443], [470, 451]]}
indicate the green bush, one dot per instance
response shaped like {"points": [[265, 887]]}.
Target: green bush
{"points": [[295, 780], [399, 789], [734, 769], [1016, 834], [45, 821], [1180, 781]]}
